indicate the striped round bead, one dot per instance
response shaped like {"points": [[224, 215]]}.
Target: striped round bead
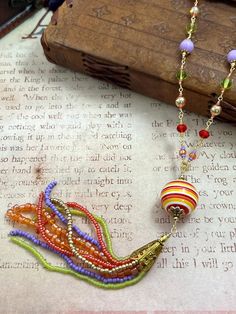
{"points": [[179, 194]]}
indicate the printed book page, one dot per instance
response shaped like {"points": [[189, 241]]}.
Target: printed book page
{"points": [[112, 151]]}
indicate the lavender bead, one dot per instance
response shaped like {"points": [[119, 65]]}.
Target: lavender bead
{"points": [[231, 57], [186, 45]]}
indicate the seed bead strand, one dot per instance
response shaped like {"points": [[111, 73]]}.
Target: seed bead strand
{"points": [[71, 264], [80, 243], [71, 242], [62, 270], [18, 218], [42, 229], [15, 215], [14, 212], [105, 230], [109, 270], [65, 209], [88, 259], [99, 234], [82, 234], [58, 233]]}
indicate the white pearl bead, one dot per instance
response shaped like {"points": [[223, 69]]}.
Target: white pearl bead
{"points": [[216, 110], [194, 11], [180, 102]]}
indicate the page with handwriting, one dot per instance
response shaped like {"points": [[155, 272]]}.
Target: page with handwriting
{"points": [[112, 151]]}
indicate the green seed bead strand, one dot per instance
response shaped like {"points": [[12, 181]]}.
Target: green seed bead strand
{"points": [[68, 271]]}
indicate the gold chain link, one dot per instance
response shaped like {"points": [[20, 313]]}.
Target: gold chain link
{"points": [[185, 163], [231, 71], [174, 226], [209, 123], [190, 32]]}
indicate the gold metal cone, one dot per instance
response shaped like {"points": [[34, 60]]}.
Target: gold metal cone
{"points": [[147, 254]]}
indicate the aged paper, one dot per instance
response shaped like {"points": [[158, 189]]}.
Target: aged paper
{"points": [[112, 151]]}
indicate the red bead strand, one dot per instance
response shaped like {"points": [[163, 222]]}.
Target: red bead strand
{"points": [[99, 233]]}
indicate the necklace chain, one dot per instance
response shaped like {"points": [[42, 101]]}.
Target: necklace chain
{"points": [[186, 48], [180, 101]]}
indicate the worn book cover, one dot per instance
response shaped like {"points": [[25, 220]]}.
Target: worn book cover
{"points": [[134, 44], [13, 13]]}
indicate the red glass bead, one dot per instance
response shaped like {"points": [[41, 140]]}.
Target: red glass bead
{"points": [[181, 128], [204, 134]]}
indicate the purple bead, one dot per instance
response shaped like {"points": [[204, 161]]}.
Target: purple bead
{"points": [[186, 45], [231, 57]]}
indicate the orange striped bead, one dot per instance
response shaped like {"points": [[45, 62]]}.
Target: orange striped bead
{"points": [[179, 193]]}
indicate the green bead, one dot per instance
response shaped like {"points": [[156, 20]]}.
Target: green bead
{"points": [[227, 83], [191, 28], [181, 75]]}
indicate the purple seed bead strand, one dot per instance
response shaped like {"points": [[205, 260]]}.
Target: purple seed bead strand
{"points": [[48, 202], [71, 264]]}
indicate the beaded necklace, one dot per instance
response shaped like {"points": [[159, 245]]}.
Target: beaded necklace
{"points": [[92, 259]]}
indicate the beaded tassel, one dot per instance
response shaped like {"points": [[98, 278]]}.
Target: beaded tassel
{"points": [[91, 259]]}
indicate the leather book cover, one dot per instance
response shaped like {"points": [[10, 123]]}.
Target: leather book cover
{"points": [[11, 16], [135, 44]]}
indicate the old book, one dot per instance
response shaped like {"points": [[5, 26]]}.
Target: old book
{"points": [[13, 13], [111, 150], [134, 44]]}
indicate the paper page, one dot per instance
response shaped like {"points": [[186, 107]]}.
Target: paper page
{"points": [[112, 151]]}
